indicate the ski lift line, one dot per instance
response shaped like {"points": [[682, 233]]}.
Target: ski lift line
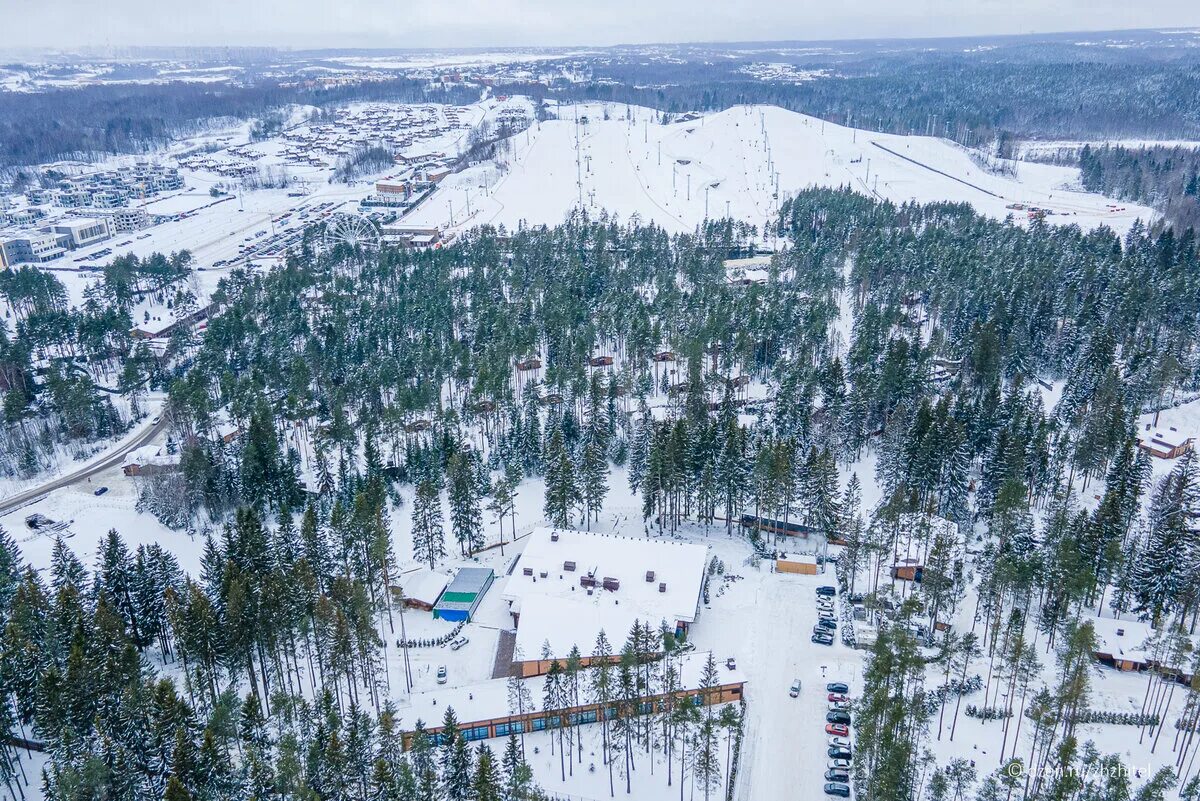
{"points": [[939, 172]]}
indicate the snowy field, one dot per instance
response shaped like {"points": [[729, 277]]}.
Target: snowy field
{"points": [[741, 162]]}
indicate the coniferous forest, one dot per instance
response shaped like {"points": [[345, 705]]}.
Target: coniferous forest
{"points": [[354, 374]]}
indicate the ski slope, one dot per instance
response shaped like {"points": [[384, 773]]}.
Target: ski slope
{"points": [[743, 162]]}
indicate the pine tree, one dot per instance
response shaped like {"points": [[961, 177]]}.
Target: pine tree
{"points": [[562, 492], [518, 778], [593, 475], [428, 537], [486, 784], [466, 519], [455, 760]]}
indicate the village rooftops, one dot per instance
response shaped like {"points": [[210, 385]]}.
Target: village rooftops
{"points": [[660, 578]]}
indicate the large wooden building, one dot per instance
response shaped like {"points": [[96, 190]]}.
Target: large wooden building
{"points": [[567, 586]]}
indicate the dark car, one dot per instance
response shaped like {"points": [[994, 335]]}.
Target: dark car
{"points": [[826, 623], [837, 716], [100, 490], [819, 640], [837, 752], [839, 776], [838, 789], [827, 591], [837, 687]]}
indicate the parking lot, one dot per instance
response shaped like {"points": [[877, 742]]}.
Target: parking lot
{"points": [[768, 623]]}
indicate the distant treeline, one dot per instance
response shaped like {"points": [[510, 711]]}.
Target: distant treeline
{"points": [[1167, 178], [36, 128], [959, 98]]}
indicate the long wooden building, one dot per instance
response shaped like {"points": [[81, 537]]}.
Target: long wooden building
{"points": [[483, 709]]}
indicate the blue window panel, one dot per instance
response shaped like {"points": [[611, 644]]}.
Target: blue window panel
{"points": [[517, 727], [502, 729], [588, 716], [477, 733], [539, 724]]}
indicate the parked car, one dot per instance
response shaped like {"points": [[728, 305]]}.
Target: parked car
{"points": [[838, 764], [827, 623], [838, 698], [442, 674], [839, 789], [837, 729], [794, 690], [837, 752], [839, 707], [819, 640], [100, 491], [840, 776], [838, 716], [838, 742], [837, 687], [459, 642], [827, 591]]}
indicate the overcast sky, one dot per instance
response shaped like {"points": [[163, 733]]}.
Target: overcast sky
{"points": [[490, 23]]}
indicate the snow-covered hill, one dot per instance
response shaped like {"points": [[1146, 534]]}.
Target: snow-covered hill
{"points": [[733, 162]]}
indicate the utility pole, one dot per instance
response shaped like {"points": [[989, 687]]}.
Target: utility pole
{"points": [[706, 201], [689, 186]]}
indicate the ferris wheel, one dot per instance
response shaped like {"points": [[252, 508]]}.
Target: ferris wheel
{"points": [[352, 230]]}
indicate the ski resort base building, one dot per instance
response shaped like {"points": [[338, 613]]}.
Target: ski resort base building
{"points": [[568, 586], [484, 710]]}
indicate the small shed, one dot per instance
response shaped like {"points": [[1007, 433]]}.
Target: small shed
{"points": [[802, 564], [908, 571], [422, 588], [463, 596]]}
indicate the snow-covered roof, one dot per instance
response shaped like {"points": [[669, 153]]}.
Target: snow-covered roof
{"points": [[661, 577], [488, 700], [1123, 639], [150, 455], [566, 622], [424, 585]]}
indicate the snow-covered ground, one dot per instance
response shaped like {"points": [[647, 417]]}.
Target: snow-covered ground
{"points": [[743, 162]]}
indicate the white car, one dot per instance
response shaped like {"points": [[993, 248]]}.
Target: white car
{"points": [[839, 742], [442, 674], [458, 642], [794, 690], [839, 764]]}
